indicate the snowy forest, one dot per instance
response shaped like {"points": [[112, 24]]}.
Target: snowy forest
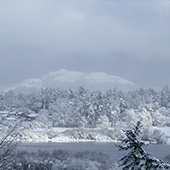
{"points": [[82, 108], [59, 115], [84, 113]]}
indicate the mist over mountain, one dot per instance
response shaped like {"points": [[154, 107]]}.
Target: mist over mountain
{"points": [[65, 79]]}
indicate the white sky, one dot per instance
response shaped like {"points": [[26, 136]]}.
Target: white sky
{"points": [[130, 39]]}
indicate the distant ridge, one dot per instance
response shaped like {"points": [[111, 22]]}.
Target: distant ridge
{"points": [[72, 79]]}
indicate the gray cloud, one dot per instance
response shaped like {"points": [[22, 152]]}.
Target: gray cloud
{"points": [[126, 38]]}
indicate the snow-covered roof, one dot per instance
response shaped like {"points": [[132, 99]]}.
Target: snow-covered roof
{"points": [[4, 112], [11, 118], [19, 113], [12, 113], [32, 115]]}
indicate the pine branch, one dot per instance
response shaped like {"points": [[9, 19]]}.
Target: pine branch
{"points": [[138, 158]]}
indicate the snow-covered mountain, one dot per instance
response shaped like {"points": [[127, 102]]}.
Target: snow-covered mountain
{"points": [[73, 79]]}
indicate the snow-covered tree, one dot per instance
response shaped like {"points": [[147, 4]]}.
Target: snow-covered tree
{"points": [[165, 97], [8, 146], [138, 158]]}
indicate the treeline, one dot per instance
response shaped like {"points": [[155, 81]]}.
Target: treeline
{"points": [[77, 108]]}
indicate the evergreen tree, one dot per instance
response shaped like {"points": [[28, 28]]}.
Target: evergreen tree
{"points": [[138, 158]]}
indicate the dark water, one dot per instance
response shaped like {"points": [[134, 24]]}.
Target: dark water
{"points": [[158, 150]]}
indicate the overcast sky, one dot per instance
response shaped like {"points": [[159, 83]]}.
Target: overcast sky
{"points": [[130, 39]]}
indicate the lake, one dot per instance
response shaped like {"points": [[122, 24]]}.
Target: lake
{"points": [[158, 150]]}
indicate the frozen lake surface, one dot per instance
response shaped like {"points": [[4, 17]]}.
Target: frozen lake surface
{"points": [[158, 150]]}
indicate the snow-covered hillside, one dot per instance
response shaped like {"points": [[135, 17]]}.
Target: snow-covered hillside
{"points": [[71, 79]]}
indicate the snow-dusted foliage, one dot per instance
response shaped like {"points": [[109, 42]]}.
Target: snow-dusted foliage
{"points": [[50, 108], [138, 158], [8, 146], [60, 160]]}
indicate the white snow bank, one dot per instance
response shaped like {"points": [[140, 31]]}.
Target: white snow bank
{"points": [[71, 135]]}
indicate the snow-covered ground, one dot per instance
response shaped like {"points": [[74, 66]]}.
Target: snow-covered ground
{"points": [[71, 135], [152, 135], [72, 79]]}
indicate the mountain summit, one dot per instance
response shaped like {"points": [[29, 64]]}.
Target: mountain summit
{"points": [[72, 79]]}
